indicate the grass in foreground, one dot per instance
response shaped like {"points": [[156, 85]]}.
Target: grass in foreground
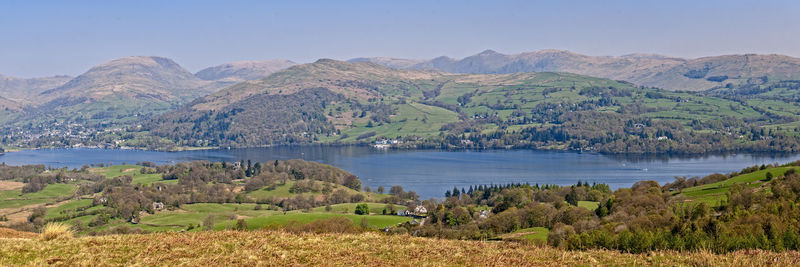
{"points": [[370, 249]]}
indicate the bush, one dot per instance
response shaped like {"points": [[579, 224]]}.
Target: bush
{"points": [[208, 222], [241, 225], [56, 231], [362, 209]]}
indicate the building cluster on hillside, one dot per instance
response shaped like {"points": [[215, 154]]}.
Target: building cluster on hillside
{"points": [[386, 143], [418, 211]]}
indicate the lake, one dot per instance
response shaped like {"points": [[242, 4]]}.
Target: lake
{"points": [[431, 172]]}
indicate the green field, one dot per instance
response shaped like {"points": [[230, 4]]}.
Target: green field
{"points": [[377, 221], [589, 205], [714, 193], [410, 119], [533, 234], [132, 170], [16, 199], [376, 208]]}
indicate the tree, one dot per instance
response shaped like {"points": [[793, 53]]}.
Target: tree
{"points": [[381, 189], [572, 197], [396, 190], [362, 209]]}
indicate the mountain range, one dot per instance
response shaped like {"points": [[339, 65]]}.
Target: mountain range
{"points": [[665, 72], [123, 88], [430, 102], [332, 101]]}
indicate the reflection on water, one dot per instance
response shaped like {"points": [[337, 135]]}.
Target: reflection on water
{"points": [[430, 172]]}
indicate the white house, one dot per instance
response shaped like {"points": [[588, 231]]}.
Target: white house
{"points": [[420, 210]]}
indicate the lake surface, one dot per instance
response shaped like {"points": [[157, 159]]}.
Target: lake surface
{"points": [[430, 172]]}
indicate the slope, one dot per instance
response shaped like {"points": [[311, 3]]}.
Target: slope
{"points": [[240, 71], [26, 90], [337, 102], [643, 69]]}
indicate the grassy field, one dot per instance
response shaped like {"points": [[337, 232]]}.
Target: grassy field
{"points": [[376, 221], [714, 193], [410, 119], [15, 198], [589, 205], [283, 191], [533, 234], [258, 248], [226, 215], [132, 170], [376, 208]]}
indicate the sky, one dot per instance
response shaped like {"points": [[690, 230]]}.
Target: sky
{"points": [[44, 38]]}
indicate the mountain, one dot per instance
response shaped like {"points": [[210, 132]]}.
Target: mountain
{"points": [[119, 90], [643, 69], [240, 71], [136, 77], [23, 90], [7, 104], [397, 63], [331, 101]]}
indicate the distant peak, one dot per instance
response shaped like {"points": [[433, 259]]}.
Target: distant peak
{"points": [[145, 60], [326, 60], [488, 52]]}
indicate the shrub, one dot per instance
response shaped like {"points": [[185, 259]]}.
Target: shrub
{"points": [[241, 225], [55, 231], [362, 209], [208, 222]]}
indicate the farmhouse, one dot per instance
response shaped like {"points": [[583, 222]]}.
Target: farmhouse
{"points": [[420, 210]]}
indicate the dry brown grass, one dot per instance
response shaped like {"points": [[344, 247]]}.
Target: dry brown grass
{"points": [[10, 185], [56, 231], [370, 249], [11, 233]]}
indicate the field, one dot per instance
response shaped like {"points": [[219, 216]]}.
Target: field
{"points": [[367, 249], [16, 199], [375, 221], [536, 235], [589, 205], [132, 170], [714, 193], [18, 206], [376, 208]]}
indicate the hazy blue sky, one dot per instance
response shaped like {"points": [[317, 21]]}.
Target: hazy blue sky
{"points": [[40, 38]]}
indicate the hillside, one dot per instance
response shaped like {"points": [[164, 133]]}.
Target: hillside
{"points": [[337, 102], [275, 193], [240, 71], [113, 93], [154, 78], [642, 69], [9, 105], [24, 90], [368, 249]]}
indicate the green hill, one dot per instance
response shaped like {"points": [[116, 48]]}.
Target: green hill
{"points": [[337, 102], [715, 193]]}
